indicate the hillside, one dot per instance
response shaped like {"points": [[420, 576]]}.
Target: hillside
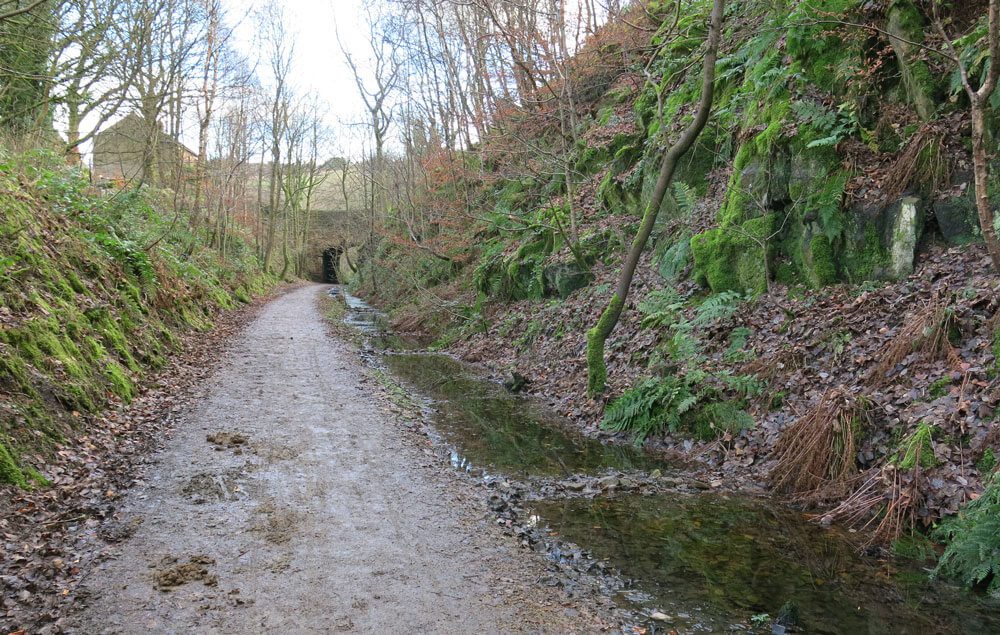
{"points": [[815, 309], [97, 286]]}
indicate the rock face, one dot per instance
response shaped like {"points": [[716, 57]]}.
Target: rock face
{"points": [[956, 216], [906, 232], [906, 24]]}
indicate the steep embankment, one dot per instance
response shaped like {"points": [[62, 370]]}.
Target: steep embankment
{"points": [[95, 288], [815, 308]]}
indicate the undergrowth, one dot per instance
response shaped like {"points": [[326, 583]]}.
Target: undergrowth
{"points": [[973, 536], [95, 288]]}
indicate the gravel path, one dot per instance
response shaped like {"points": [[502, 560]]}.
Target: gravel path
{"points": [[310, 512]]}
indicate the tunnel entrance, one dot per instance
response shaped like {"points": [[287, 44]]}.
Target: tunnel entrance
{"points": [[331, 262]]}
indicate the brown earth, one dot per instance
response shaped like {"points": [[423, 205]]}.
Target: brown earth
{"points": [[337, 520]]}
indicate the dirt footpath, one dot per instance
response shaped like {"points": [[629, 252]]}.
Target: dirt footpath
{"points": [[285, 502]]}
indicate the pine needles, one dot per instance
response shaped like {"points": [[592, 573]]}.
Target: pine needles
{"points": [[889, 496], [816, 454]]}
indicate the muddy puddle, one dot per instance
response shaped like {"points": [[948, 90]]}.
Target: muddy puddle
{"points": [[692, 562]]}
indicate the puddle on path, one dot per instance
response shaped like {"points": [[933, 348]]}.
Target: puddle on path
{"points": [[375, 325], [735, 558]]}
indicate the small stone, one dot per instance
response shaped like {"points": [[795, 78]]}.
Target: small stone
{"points": [[609, 482], [658, 616], [655, 474]]}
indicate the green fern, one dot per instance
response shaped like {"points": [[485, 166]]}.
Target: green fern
{"points": [[720, 306], [973, 552], [685, 197], [651, 406], [672, 258], [661, 308]]}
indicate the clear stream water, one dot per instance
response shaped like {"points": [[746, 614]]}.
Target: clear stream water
{"points": [[708, 561]]}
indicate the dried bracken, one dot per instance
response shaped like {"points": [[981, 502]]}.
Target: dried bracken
{"points": [[926, 332], [816, 454], [921, 161], [888, 496]]}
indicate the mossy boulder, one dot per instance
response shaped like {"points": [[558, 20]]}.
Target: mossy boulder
{"points": [[562, 279], [617, 198], [921, 89], [880, 243], [732, 258]]}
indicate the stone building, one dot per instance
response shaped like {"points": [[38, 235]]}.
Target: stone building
{"points": [[122, 151]]}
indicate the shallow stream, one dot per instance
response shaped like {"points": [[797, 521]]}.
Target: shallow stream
{"points": [[705, 562]]}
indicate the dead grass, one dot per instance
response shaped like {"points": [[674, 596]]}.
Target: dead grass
{"points": [[887, 496], [921, 162], [816, 454], [925, 332]]}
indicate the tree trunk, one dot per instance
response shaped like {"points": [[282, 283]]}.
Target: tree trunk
{"points": [[980, 163], [597, 336]]}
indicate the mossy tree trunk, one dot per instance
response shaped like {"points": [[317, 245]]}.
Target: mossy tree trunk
{"points": [[597, 336]]}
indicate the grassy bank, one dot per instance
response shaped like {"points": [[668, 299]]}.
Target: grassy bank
{"points": [[96, 285]]}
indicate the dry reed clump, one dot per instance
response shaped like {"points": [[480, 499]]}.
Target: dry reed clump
{"points": [[926, 332], [816, 454], [887, 495], [922, 162]]}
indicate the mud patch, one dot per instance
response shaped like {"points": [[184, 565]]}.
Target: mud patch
{"points": [[173, 575], [118, 530], [272, 453], [228, 441], [204, 487], [275, 524]]}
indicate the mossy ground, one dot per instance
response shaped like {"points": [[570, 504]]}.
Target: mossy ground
{"points": [[86, 309]]}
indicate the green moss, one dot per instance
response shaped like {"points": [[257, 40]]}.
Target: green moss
{"points": [[732, 259], [823, 268], [104, 324], [987, 462], [939, 388], [597, 371], [76, 283], [121, 385], [10, 473], [821, 54], [996, 350], [785, 274], [869, 261], [917, 448]]}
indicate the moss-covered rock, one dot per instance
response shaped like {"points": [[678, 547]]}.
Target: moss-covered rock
{"points": [[917, 449], [880, 243], [820, 261], [922, 89], [85, 323], [564, 278], [732, 258]]}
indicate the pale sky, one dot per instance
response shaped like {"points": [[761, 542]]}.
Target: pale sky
{"points": [[318, 66]]}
